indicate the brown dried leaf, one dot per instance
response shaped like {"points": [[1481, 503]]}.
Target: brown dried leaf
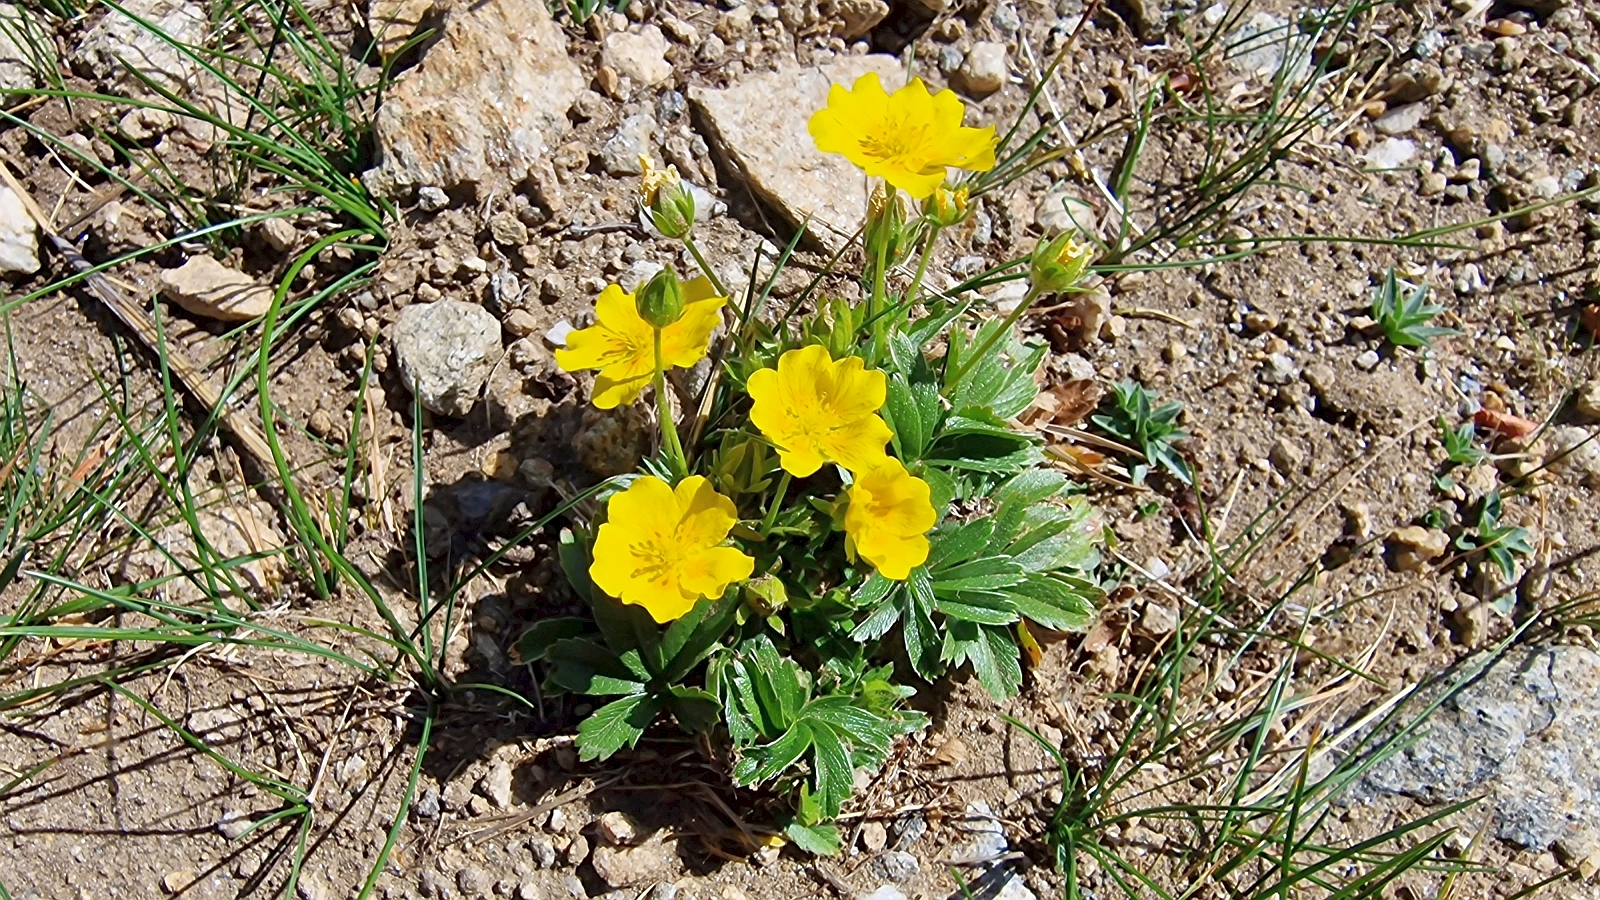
{"points": [[1504, 423], [1074, 401], [952, 752]]}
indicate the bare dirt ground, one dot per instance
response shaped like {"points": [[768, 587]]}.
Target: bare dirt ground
{"points": [[1296, 408]]}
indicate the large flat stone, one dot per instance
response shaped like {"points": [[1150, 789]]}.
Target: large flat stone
{"points": [[485, 104], [758, 129], [1525, 735]]}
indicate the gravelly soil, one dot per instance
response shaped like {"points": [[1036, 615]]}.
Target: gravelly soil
{"points": [[1291, 403]]}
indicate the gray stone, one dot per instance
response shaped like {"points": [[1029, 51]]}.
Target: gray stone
{"points": [[233, 824], [634, 137], [897, 866], [1016, 889], [984, 70], [1401, 119], [431, 199], [884, 892], [496, 784], [1417, 80], [989, 837], [485, 104], [445, 351], [1278, 368], [427, 806], [666, 890], [1586, 401], [208, 288], [624, 867], [473, 881], [640, 58], [758, 127], [1525, 734], [19, 236], [1577, 451], [542, 850], [908, 830], [1269, 48], [119, 41], [1368, 360], [19, 67]]}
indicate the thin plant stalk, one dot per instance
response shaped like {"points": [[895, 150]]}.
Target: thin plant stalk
{"points": [[669, 429]]}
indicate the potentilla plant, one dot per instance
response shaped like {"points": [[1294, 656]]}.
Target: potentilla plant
{"points": [[845, 508]]}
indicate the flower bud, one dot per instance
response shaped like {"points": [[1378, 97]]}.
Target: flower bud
{"points": [[886, 218], [765, 595], [660, 301], [666, 199], [1058, 265], [945, 207]]}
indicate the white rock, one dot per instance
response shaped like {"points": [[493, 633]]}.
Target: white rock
{"points": [[886, 892], [445, 351], [278, 234], [119, 41], [234, 532], [1016, 889], [1391, 153], [1061, 211], [557, 335], [620, 155], [640, 58], [496, 784], [758, 126], [1268, 47], [19, 237], [18, 64], [393, 22], [1576, 450], [485, 104], [208, 288], [984, 70], [1401, 119], [618, 829]]}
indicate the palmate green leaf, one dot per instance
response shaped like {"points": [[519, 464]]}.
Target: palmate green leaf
{"points": [[981, 607], [958, 542], [1003, 454], [696, 710], [536, 641], [987, 574], [573, 553], [1056, 601], [695, 636], [1001, 382], [833, 777], [905, 420], [818, 840], [585, 667], [992, 651], [617, 724], [922, 640]]}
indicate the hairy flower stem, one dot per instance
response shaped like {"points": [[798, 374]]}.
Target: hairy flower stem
{"points": [[669, 429], [699, 258], [777, 501], [1011, 321], [922, 265]]}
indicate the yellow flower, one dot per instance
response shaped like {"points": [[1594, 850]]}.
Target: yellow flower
{"points": [[622, 345], [888, 519], [907, 138], [660, 548], [815, 410]]}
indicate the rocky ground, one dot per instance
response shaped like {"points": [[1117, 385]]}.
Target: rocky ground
{"points": [[510, 144]]}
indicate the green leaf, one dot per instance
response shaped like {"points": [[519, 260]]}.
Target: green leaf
{"points": [[833, 775], [905, 419], [573, 554], [617, 724], [995, 453], [958, 543], [916, 625], [686, 644], [1030, 487], [1056, 602], [536, 641], [987, 574], [877, 624], [781, 753], [585, 667], [695, 709], [980, 607], [818, 840]]}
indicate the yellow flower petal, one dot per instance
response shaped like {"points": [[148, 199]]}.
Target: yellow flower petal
{"points": [[660, 547], [888, 518], [710, 572], [908, 138], [685, 342], [814, 409]]}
